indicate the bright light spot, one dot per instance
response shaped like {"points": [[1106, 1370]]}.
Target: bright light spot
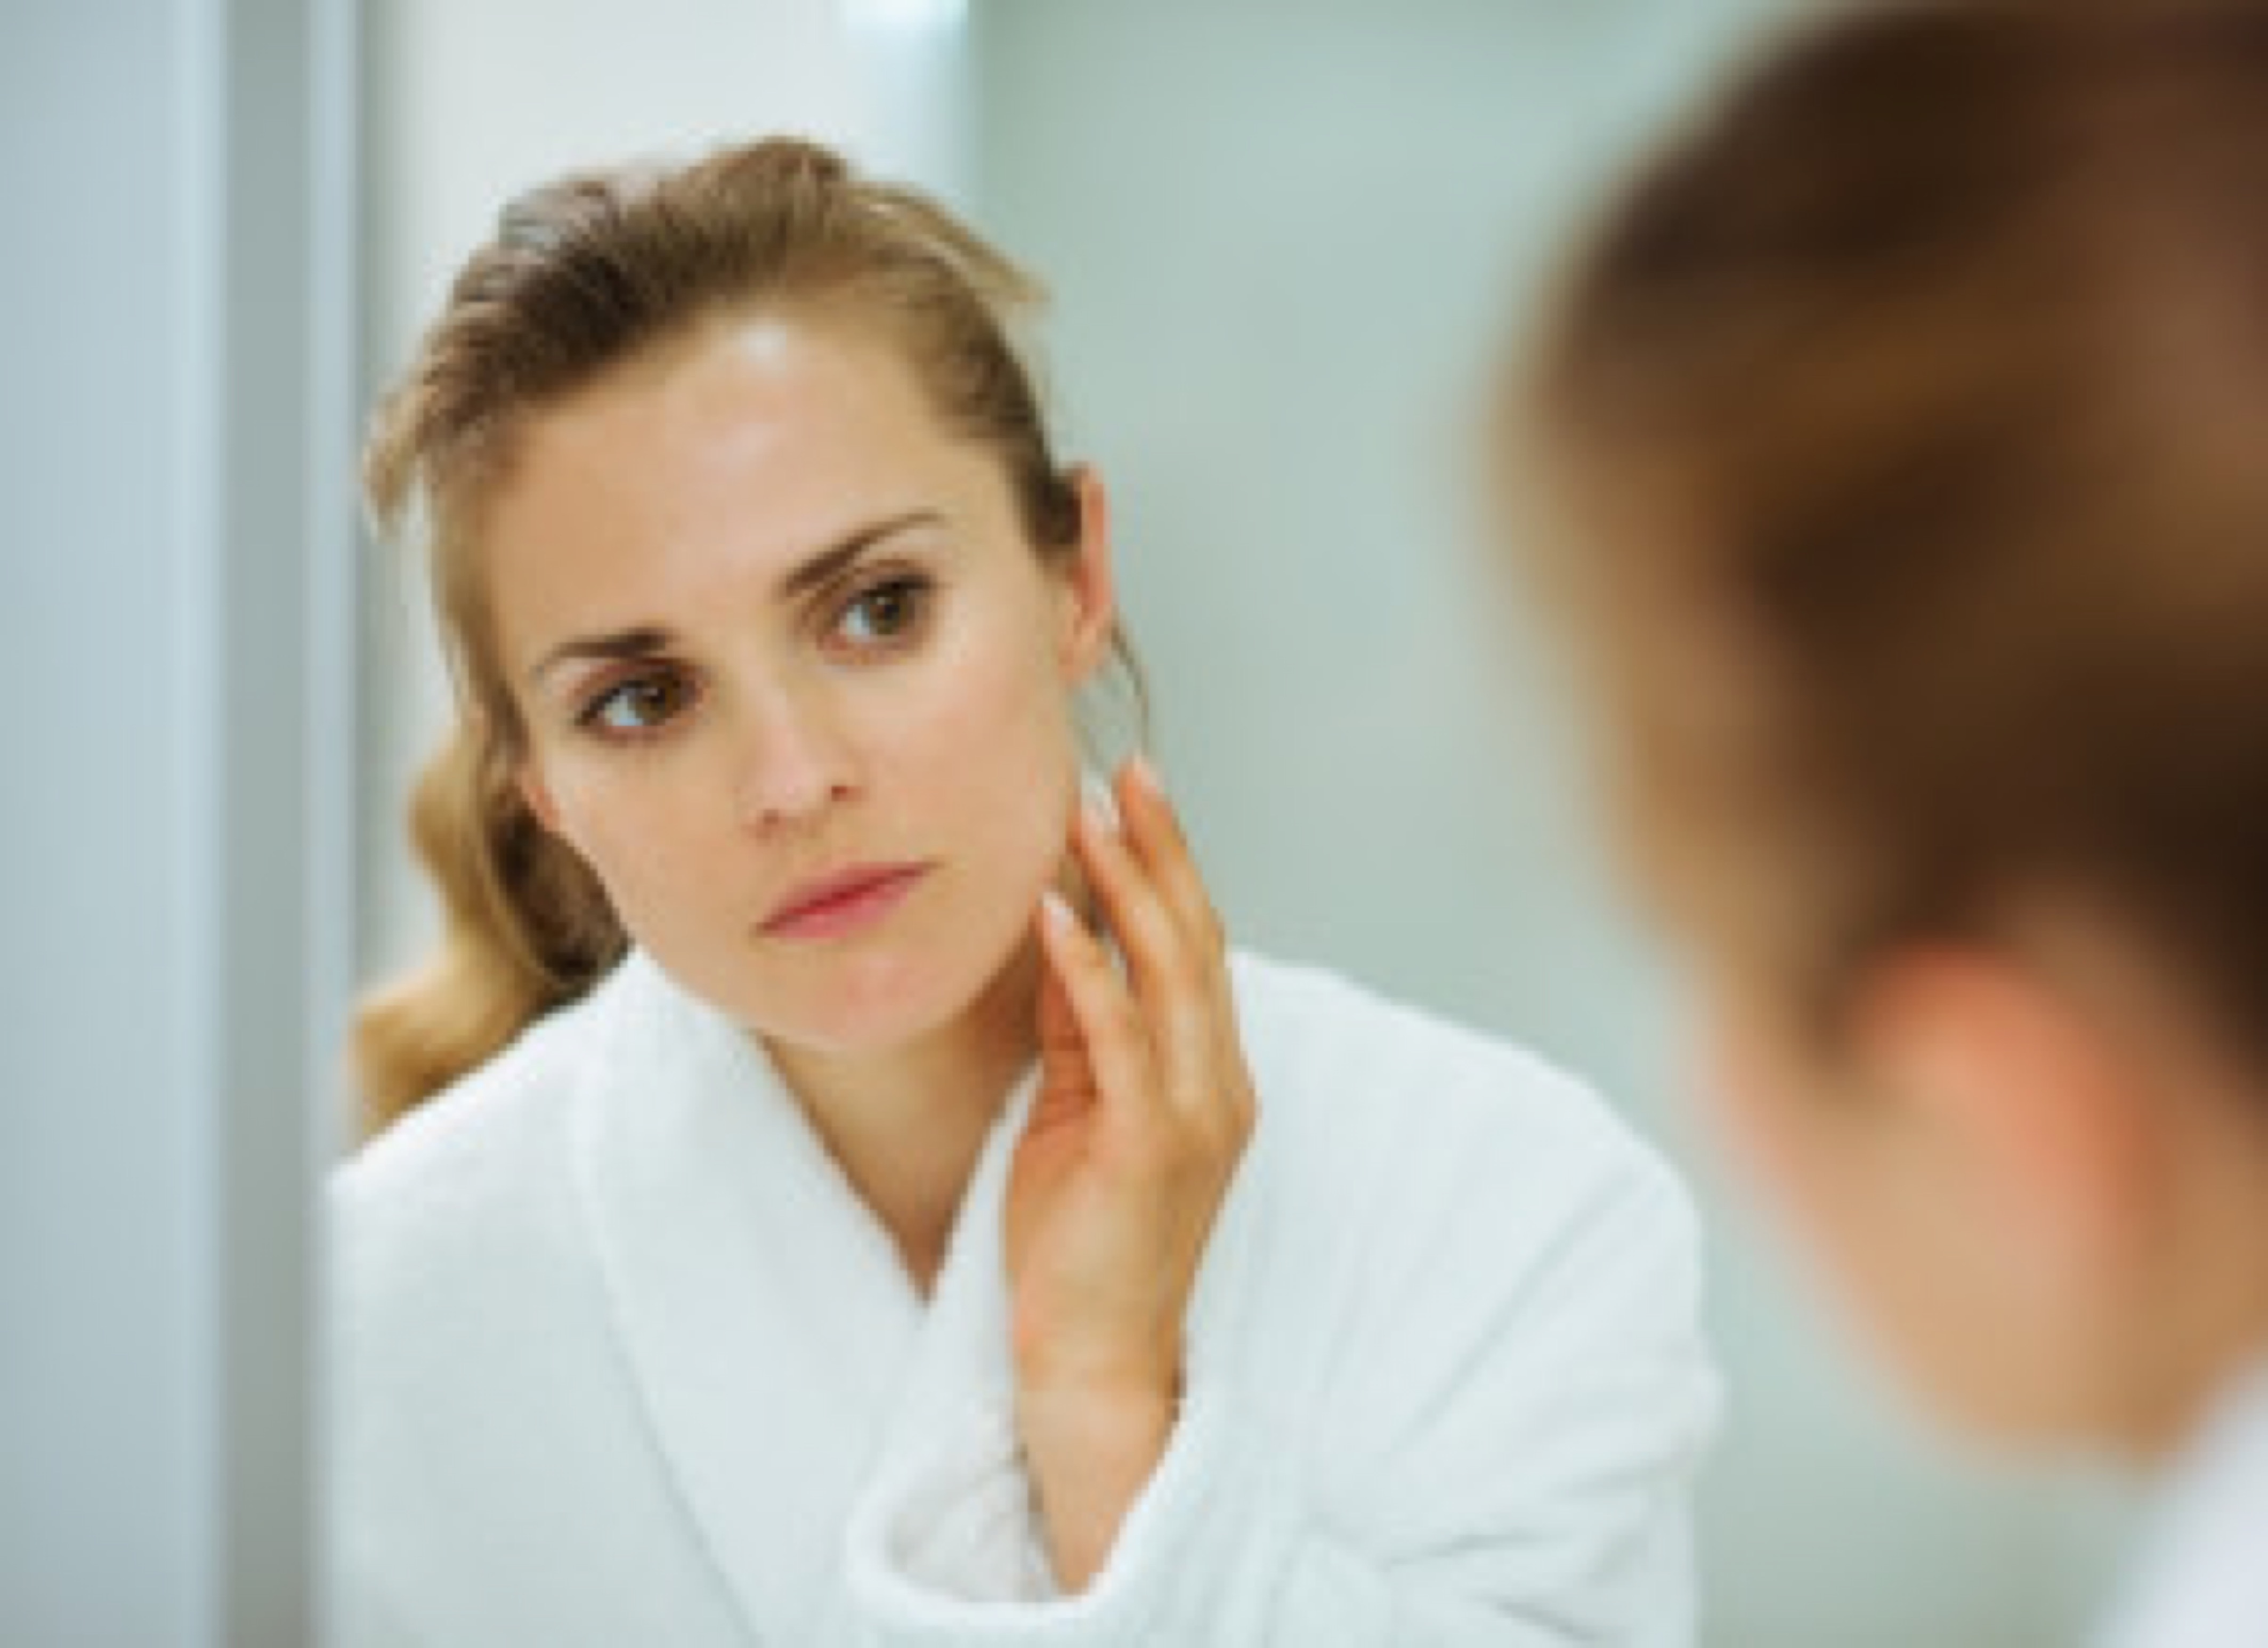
{"points": [[908, 20]]}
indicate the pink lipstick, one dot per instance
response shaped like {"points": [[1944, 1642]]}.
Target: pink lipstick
{"points": [[848, 901]]}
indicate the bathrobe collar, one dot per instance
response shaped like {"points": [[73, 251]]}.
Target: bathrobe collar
{"points": [[717, 1214], [2201, 1583]]}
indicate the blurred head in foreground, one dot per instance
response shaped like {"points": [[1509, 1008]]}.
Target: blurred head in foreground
{"points": [[1904, 449]]}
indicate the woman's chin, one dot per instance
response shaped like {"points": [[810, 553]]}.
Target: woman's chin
{"points": [[868, 1004]]}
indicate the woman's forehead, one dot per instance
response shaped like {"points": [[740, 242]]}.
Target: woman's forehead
{"points": [[748, 452], [774, 410]]}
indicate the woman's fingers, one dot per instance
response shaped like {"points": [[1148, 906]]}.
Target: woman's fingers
{"points": [[1116, 1043], [1174, 947], [1172, 979], [1155, 830], [1065, 1067], [1222, 1090]]}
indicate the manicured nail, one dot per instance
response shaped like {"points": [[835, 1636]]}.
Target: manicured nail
{"points": [[1054, 911], [1101, 817], [1146, 774]]}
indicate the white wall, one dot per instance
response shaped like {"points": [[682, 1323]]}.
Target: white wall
{"points": [[177, 332], [107, 1325], [1285, 236]]}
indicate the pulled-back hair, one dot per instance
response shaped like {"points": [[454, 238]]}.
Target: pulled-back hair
{"points": [[1912, 419], [583, 275]]}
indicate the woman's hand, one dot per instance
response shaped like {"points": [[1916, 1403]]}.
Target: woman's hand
{"points": [[1143, 1108]]}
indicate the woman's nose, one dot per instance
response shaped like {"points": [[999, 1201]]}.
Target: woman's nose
{"points": [[794, 765]]}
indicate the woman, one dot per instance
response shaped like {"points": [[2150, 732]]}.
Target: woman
{"points": [[1909, 432], [792, 1223]]}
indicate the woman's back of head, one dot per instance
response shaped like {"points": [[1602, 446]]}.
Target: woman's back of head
{"points": [[1913, 416]]}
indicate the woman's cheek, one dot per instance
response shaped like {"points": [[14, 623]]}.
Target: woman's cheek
{"points": [[620, 814], [987, 703], [1006, 749]]}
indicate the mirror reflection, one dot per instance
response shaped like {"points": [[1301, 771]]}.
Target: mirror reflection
{"points": [[935, 1118]]}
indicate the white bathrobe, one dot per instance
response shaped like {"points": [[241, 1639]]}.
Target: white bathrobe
{"points": [[2202, 1579], [623, 1361]]}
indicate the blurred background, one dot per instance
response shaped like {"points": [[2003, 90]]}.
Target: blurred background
{"points": [[1287, 242]]}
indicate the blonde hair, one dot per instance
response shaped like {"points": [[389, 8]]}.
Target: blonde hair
{"points": [[582, 275]]}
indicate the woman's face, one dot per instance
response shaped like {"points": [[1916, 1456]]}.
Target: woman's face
{"points": [[795, 683]]}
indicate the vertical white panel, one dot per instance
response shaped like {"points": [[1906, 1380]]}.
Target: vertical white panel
{"points": [[105, 1281], [160, 960], [281, 674]]}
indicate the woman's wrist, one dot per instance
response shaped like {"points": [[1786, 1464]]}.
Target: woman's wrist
{"points": [[1091, 1449]]}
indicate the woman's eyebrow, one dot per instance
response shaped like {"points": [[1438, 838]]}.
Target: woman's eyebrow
{"points": [[632, 643], [817, 570], [814, 572]]}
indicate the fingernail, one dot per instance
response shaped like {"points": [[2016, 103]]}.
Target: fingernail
{"points": [[1145, 773], [1100, 815], [1054, 911]]}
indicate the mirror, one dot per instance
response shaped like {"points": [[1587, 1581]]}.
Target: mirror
{"points": [[1284, 242]]}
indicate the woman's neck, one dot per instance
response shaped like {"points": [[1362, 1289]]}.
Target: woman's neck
{"points": [[908, 1125]]}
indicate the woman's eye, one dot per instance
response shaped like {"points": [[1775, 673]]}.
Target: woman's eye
{"points": [[641, 705], [885, 613]]}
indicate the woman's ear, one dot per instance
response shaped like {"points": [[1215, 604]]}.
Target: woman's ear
{"points": [[2035, 1108], [1089, 582]]}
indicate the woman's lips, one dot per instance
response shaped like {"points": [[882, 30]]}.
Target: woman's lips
{"points": [[847, 902]]}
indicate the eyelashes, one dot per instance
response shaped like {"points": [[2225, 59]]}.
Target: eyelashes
{"points": [[890, 612], [638, 706], [887, 618]]}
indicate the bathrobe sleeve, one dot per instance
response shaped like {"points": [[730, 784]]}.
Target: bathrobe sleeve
{"points": [[1498, 1453]]}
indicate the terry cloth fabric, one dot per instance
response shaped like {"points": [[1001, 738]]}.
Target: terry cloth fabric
{"points": [[622, 1360]]}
